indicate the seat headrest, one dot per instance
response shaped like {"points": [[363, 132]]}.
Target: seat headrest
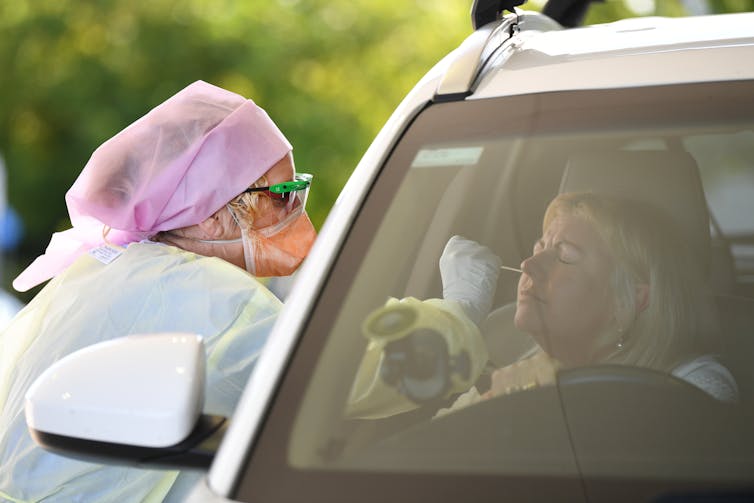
{"points": [[668, 181]]}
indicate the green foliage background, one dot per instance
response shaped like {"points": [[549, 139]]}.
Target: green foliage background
{"points": [[329, 72]]}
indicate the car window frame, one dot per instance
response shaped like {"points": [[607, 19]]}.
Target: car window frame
{"points": [[266, 475]]}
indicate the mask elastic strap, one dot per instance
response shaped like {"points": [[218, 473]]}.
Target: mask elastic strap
{"points": [[208, 241], [217, 241], [248, 251]]}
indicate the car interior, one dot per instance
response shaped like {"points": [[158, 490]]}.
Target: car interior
{"points": [[668, 179], [478, 176]]}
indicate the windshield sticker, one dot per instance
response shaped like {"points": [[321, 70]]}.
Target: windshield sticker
{"points": [[435, 157]]}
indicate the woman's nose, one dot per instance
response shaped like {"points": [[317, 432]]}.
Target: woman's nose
{"points": [[527, 265], [533, 265]]}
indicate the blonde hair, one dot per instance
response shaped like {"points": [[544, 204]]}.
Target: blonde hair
{"points": [[646, 249], [246, 205]]}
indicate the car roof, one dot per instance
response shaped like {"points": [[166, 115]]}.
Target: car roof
{"points": [[626, 53]]}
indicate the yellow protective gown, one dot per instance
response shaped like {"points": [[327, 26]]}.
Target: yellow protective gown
{"points": [[149, 288]]}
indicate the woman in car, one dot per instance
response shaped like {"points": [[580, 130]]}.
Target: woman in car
{"points": [[608, 282]]}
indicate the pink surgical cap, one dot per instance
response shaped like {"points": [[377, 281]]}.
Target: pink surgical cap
{"points": [[172, 168]]}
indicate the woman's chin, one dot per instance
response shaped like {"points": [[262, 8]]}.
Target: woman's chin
{"points": [[526, 320]]}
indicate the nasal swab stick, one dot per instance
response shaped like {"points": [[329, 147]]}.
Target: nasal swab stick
{"points": [[510, 268]]}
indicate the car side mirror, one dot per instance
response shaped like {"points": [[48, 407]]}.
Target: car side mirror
{"points": [[135, 400]]}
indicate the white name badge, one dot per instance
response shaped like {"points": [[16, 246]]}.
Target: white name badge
{"points": [[106, 253]]}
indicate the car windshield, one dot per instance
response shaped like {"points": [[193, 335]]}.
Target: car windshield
{"points": [[656, 191]]}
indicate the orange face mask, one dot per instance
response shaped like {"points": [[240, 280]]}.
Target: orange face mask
{"points": [[278, 250]]}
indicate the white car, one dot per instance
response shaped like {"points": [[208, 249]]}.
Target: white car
{"points": [[656, 110]]}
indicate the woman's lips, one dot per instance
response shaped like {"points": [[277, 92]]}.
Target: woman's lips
{"points": [[528, 293]]}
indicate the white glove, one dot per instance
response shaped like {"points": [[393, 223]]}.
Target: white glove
{"points": [[469, 274]]}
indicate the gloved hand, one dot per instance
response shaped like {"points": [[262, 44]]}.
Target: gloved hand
{"points": [[469, 274]]}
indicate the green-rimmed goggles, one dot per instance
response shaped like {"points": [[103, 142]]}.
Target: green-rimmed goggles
{"points": [[287, 193]]}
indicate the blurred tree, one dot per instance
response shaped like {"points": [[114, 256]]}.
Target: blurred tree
{"points": [[329, 72]]}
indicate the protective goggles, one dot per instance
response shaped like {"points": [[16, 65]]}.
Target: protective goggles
{"points": [[259, 207], [289, 194]]}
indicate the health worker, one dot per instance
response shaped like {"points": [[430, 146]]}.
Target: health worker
{"points": [[174, 219]]}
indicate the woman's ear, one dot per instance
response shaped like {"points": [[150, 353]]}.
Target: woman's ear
{"points": [[213, 227], [642, 297]]}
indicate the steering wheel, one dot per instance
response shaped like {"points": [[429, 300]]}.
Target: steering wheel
{"points": [[602, 421]]}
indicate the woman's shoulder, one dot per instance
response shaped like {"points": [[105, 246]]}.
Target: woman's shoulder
{"points": [[710, 375], [149, 273], [169, 259], [174, 267]]}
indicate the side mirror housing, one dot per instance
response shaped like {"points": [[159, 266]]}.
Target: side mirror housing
{"points": [[132, 400]]}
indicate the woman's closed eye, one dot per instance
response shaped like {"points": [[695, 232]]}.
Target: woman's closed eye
{"points": [[568, 253], [565, 251]]}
